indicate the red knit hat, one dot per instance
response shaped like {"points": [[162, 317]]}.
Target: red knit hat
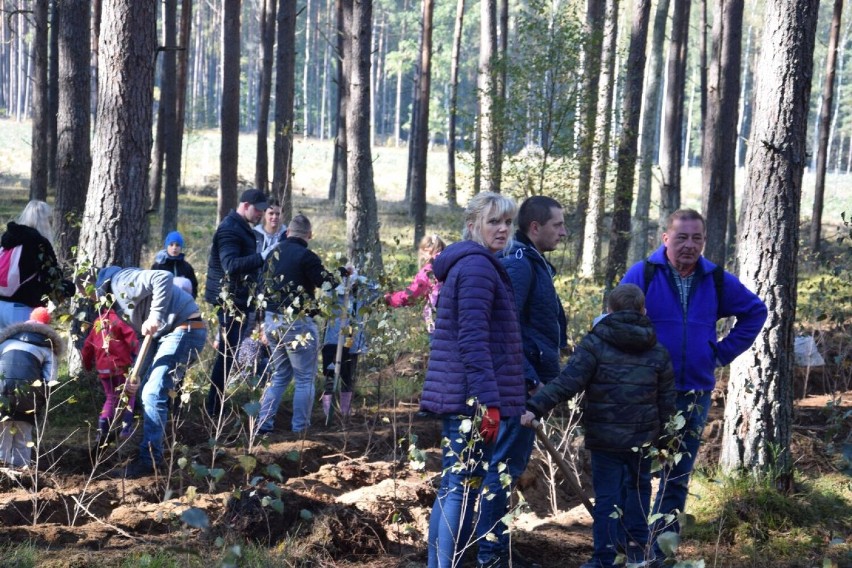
{"points": [[40, 315]]}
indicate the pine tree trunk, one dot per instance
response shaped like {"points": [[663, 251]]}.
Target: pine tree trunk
{"points": [[631, 107], [38, 163], [452, 188], [672, 138], [824, 120], [486, 93], [649, 141], [339, 183], [174, 157], [73, 157], [758, 413], [168, 98], [588, 113], [362, 224], [52, 91], [267, 51], [230, 107], [115, 204], [285, 93], [718, 162], [589, 267], [420, 138]]}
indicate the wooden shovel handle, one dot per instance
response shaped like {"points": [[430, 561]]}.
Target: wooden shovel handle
{"points": [[133, 378]]}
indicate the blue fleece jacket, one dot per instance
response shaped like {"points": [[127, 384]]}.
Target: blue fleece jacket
{"points": [[691, 337]]}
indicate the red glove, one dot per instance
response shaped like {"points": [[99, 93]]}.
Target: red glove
{"points": [[490, 425]]}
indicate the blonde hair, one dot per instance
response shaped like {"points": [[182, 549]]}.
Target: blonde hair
{"points": [[429, 247], [480, 208], [39, 216]]}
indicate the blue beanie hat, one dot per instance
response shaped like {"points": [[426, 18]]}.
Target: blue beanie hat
{"points": [[174, 237]]}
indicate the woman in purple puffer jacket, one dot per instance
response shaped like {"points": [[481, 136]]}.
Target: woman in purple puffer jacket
{"points": [[475, 375]]}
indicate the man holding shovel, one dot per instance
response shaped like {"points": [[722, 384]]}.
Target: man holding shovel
{"points": [[174, 332]]}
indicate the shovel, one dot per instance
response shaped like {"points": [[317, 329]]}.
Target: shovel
{"points": [[341, 339], [567, 472], [131, 385]]}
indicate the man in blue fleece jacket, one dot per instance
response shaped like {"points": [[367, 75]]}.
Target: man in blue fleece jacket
{"points": [[685, 296]]}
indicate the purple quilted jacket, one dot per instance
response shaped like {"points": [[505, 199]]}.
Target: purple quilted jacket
{"points": [[476, 348]]}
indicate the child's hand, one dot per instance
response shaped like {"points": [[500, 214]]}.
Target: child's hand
{"points": [[130, 387], [527, 419]]}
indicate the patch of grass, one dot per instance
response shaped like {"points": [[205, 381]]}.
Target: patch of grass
{"points": [[748, 518], [18, 555]]}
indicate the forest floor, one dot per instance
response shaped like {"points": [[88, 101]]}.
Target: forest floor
{"points": [[349, 494]]}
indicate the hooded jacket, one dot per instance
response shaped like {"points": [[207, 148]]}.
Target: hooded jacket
{"points": [[140, 294], [234, 263], [295, 274], [542, 316], [28, 352], [628, 380], [37, 257], [476, 347], [110, 346], [691, 337], [178, 266]]}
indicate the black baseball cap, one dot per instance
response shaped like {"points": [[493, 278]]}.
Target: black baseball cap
{"points": [[254, 197]]}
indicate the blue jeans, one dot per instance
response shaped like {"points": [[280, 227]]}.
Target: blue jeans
{"points": [[294, 354], [13, 312], [175, 351], [620, 480], [463, 469], [514, 447], [674, 482], [231, 328]]}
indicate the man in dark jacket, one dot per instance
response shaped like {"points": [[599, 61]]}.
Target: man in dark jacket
{"points": [[290, 294], [541, 227], [232, 273], [629, 384], [686, 295]]}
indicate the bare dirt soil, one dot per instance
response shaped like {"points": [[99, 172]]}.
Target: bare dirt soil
{"points": [[351, 494]]}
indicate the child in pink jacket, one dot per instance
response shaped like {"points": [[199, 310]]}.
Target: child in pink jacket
{"points": [[111, 347], [424, 283]]}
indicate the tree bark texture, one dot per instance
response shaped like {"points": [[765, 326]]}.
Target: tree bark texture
{"points": [[115, 204], [267, 50], [452, 188], [73, 156], [486, 91], [40, 103], [164, 147], [421, 136], [339, 184], [631, 108], [285, 92], [588, 97], [671, 146], [230, 107], [824, 122], [649, 142], [52, 91], [362, 223], [718, 154], [758, 413], [589, 267], [174, 157]]}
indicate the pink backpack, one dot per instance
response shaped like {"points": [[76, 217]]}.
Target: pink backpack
{"points": [[10, 271]]}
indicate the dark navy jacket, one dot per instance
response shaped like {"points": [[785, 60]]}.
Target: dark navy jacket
{"points": [[178, 266], [476, 347], [234, 262], [295, 272], [691, 337], [543, 326]]}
